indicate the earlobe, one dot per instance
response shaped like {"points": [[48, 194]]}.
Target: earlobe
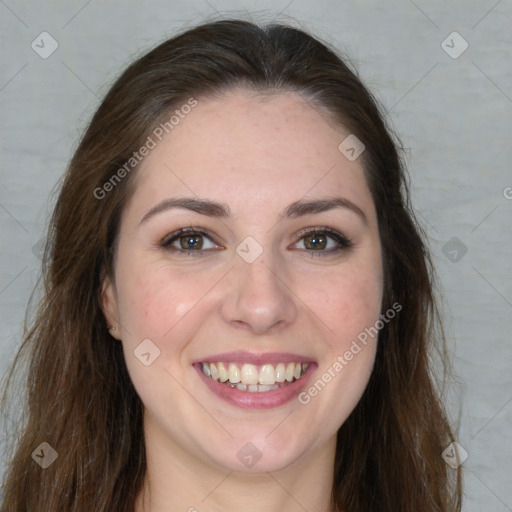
{"points": [[113, 331], [109, 306]]}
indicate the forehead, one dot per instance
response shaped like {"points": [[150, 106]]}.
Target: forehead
{"points": [[246, 148]]}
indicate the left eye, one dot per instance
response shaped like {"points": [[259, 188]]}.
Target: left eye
{"points": [[323, 240]]}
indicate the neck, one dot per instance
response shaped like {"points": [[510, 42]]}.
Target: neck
{"points": [[176, 481]]}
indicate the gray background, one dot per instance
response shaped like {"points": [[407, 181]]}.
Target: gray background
{"points": [[454, 116]]}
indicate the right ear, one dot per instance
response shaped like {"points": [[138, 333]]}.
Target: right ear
{"points": [[109, 305]]}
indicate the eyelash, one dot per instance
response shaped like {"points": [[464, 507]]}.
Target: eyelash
{"points": [[343, 242]]}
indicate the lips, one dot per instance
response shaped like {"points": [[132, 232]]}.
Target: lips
{"points": [[255, 380]]}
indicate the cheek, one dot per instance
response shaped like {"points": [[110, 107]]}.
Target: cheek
{"points": [[153, 303], [346, 302], [154, 298]]}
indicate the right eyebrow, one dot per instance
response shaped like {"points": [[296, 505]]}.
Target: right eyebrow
{"points": [[202, 206]]}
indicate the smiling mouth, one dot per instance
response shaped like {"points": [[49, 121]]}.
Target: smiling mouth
{"points": [[254, 378]]}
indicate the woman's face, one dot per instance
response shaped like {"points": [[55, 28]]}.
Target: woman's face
{"points": [[281, 269]]}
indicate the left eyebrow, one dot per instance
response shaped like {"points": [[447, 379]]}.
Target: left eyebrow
{"points": [[300, 208]]}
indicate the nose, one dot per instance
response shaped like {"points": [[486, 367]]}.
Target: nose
{"points": [[257, 297]]}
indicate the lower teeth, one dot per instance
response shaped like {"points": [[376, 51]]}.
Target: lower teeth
{"points": [[255, 388]]}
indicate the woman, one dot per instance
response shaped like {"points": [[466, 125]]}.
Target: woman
{"points": [[238, 308]]}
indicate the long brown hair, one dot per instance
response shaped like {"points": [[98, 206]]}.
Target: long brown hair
{"points": [[80, 399]]}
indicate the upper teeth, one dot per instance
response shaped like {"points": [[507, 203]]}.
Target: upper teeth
{"points": [[251, 374]]}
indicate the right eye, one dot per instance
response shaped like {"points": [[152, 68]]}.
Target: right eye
{"points": [[188, 241]]}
